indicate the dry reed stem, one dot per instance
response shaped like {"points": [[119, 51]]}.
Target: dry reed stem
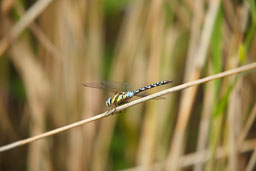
{"points": [[243, 134], [132, 103], [252, 161], [96, 151], [194, 36], [188, 96], [37, 89], [200, 157], [205, 122], [233, 125], [154, 27], [23, 23], [39, 34], [182, 13], [197, 157], [247, 126]]}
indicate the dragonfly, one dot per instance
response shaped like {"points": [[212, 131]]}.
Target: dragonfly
{"points": [[121, 96]]}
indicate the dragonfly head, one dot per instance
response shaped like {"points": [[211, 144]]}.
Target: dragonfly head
{"points": [[108, 102]]}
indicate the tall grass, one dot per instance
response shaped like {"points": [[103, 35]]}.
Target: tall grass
{"points": [[49, 48]]}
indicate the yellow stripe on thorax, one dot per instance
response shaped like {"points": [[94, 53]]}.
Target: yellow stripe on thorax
{"points": [[113, 99], [118, 98]]}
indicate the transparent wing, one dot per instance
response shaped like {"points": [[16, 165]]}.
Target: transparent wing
{"points": [[116, 87], [109, 86]]}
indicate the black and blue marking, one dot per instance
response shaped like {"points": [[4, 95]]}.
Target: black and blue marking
{"points": [[150, 86]]}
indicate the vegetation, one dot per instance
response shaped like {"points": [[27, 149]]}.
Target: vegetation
{"points": [[48, 49]]}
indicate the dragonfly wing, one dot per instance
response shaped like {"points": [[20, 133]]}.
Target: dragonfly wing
{"points": [[93, 85], [114, 87], [99, 86]]}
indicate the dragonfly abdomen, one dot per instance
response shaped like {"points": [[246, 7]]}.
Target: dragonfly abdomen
{"points": [[151, 86]]}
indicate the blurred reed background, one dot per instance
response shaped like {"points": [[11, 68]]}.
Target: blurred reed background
{"points": [[43, 64]]}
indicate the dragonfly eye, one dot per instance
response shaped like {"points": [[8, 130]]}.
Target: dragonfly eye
{"points": [[108, 102]]}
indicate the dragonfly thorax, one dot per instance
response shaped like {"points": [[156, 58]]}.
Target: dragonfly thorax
{"points": [[119, 98]]}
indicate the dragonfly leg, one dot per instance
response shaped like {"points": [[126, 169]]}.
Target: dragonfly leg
{"points": [[111, 111], [114, 110]]}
